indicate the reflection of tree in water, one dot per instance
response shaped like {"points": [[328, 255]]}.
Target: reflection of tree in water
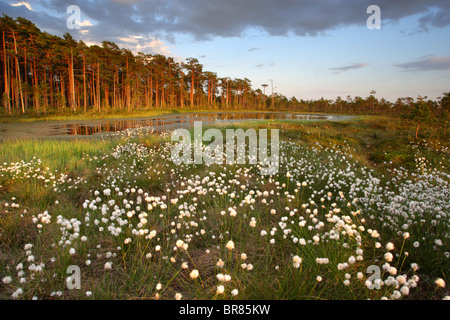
{"points": [[161, 122]]}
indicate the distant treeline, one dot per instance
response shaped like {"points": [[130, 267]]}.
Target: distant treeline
{"points": [[43, 73]]}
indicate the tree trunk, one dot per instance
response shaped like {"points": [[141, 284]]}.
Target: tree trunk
{"points": [[127, 89], [52, 100], [98, 87], [192, 90], [417, 129], [7, 97], [84, 84], [151, 91], [36, 88], [25, 78], [63, 93], [71, 84], [18, 75]]}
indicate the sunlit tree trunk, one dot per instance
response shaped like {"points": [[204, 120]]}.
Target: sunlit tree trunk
{"points": [[71, 84], [128, 88], [19, 88], [25, 79], [63, 93], [36, 88], [192, 90], [98, 87], [84, 85], [7, 97]]}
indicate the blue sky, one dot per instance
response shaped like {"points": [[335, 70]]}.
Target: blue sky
{"points": [[310, 49]]}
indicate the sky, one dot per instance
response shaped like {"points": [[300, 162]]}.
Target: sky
{"points": [[309, 49]]}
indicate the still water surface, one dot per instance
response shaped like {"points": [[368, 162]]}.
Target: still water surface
{"points": [[66, 129]]}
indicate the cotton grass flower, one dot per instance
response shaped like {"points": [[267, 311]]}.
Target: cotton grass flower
{"points": [[16, 294], [180, 243], [7, 280], [220, 289], [401, 280], [388, 257], [220, 263], [404, 290], [230, 245], [396, 295], [393, 271], [440, 282], [220, 277], [194, 274], [296, 260]]}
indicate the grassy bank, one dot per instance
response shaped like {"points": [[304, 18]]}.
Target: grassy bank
{"points": [[349, 197], [92, 115]]}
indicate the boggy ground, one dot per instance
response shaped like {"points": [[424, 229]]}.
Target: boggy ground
{"points": [[351, 199]]}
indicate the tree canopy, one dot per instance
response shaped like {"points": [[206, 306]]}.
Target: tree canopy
{"points": [[42, 73]]}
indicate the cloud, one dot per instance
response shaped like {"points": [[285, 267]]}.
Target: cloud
{"points": [[146, 44], [43, 20], [434, 18], [348, 67], [92, 43], [130, 39], [100, 21], [161, 21], [127, 1], [23, 3], [427, 63], [85, 23], [206, 19]]}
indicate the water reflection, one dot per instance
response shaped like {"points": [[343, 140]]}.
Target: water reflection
{"points": [[169, 121]]}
